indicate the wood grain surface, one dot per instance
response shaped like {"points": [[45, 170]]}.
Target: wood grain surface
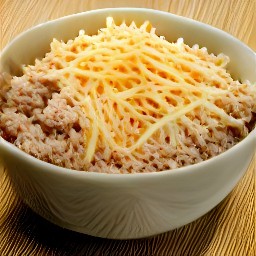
{"points": [[229, 229]]}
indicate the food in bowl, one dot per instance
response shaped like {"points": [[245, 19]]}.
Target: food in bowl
{"points": [[124, 206], [126, 100]]}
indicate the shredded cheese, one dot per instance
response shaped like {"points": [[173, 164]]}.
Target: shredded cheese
{"points": [[132, 83]]}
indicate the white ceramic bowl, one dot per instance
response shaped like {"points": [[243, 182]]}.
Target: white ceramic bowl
{"points": [[124, 205]]}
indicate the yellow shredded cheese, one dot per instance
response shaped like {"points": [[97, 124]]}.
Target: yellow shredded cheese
{"points": [[131, 83]]}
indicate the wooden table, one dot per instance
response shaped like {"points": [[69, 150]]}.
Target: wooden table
{"points": [[229, 229]]}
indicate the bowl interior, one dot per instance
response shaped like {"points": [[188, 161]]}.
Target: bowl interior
{"points": [[35, 42]]}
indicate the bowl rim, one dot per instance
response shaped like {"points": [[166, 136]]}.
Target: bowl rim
{"points": [[48, 167], [129, 9], [193, 168]]}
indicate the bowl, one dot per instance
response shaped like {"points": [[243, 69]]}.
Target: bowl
{"points": [[127, 206]]}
